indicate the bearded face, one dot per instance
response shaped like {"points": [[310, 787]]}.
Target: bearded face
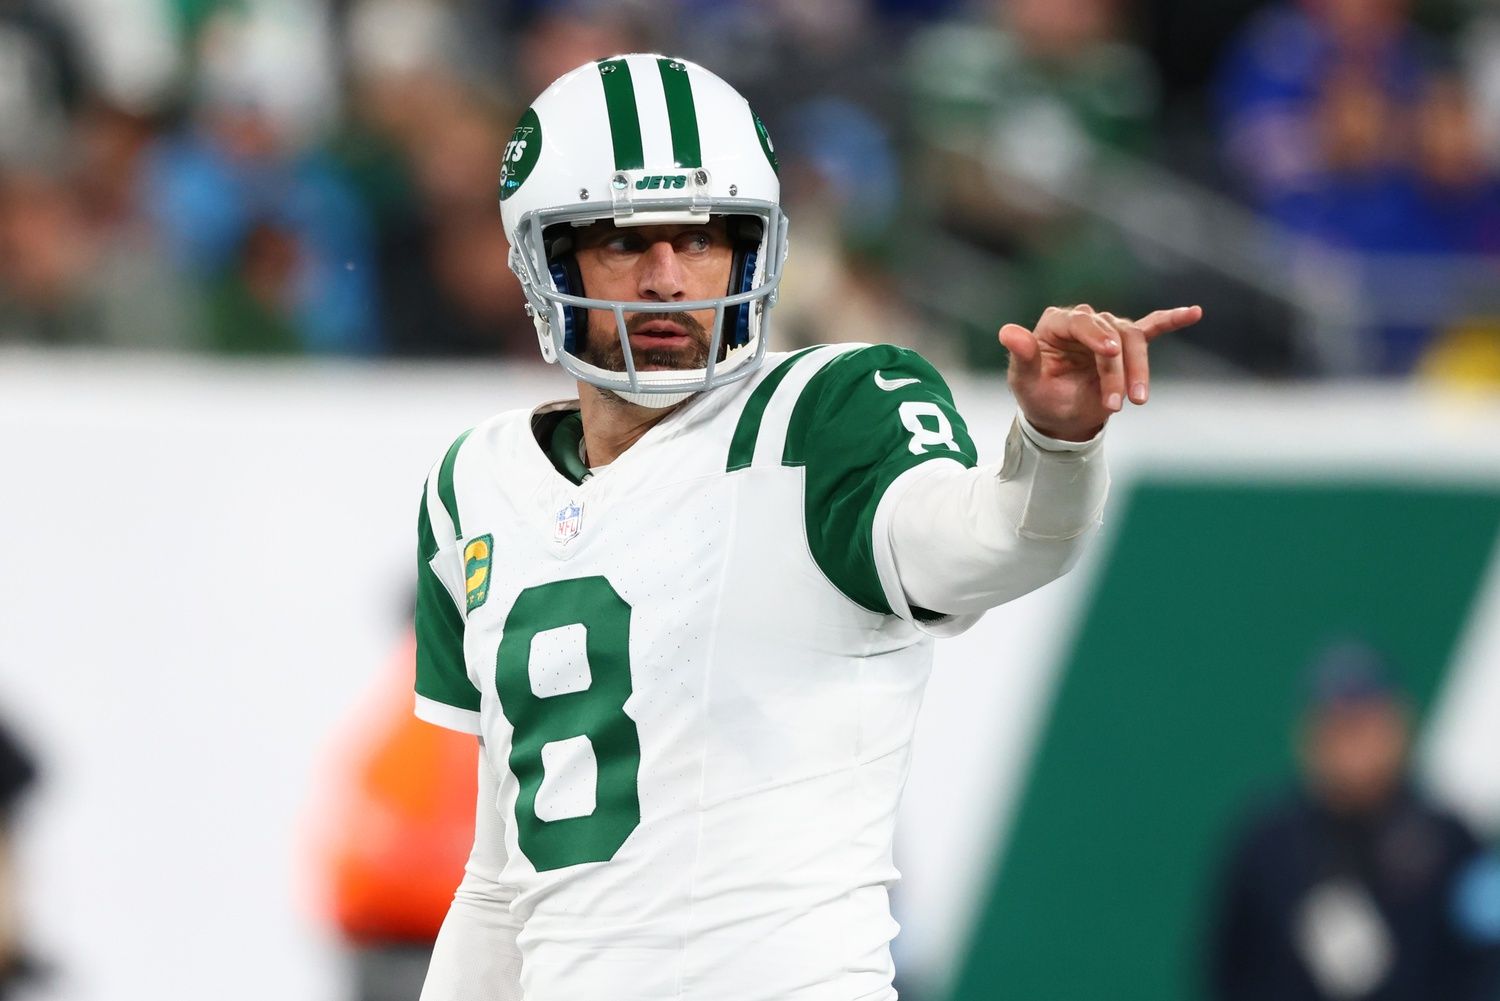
{"points": [[659, 342]]}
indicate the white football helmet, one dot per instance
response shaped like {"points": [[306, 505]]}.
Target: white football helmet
{"points": [[643, 140]]}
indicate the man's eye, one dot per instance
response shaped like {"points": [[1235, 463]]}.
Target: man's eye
{"points": [[696, 243], [622, 245]]}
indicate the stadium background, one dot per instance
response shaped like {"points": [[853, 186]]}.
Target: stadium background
{"points": [[251, 281]]}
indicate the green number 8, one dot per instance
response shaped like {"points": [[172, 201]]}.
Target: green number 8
{"points": [[597, 712]]}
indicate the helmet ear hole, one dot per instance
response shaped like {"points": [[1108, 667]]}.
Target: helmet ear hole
{"points": [[567, 280]]}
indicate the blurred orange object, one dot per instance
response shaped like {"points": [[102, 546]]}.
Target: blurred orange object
{"points": [[400, 822]]}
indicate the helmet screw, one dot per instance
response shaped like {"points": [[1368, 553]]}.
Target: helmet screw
{"points": [[701, 177], [583, 194], [620, 182], [734, 189]]}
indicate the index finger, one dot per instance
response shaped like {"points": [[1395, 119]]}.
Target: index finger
{"points": [[1164, 321]]}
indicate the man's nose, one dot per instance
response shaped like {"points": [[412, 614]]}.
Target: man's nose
{"points": [[660, 276]]}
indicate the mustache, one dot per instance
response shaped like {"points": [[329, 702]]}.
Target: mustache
{"points": [[687, 321]]}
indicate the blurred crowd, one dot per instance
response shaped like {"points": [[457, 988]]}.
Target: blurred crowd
{"points": [[278, 176]]}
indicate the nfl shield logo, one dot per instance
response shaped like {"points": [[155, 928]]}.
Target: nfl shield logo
{"points": [[569, 522]]}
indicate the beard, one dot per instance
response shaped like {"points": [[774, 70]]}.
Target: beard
{"points": [[605, 351]]}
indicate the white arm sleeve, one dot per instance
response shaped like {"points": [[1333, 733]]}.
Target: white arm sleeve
{"points": [[476, 957], [964, 540]]}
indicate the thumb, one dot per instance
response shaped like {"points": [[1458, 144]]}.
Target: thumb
{"points": [[1020, 343]]}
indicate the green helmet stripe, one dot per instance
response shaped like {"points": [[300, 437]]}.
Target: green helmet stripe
{"points": [[681, 112], [624, 119]]}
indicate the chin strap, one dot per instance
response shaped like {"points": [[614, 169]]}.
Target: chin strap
{"points": [[655, 401]]}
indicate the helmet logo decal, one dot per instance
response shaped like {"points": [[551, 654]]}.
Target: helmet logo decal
{"points": [[682, 113], [624, 117], [765, 142], [654, 181], [521, 153]]}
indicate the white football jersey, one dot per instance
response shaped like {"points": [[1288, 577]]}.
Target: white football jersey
{"points": [[696, 675]]}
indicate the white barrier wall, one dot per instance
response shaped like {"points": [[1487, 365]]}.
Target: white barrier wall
{"points": [[205, 564]]}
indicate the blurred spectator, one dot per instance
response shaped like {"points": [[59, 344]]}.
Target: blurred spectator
{"points": [[1037, 86], [394, 827], [142, 301], [43, 264], [567, 34], [398, 72], [75, 267], [1460, 189], [1397, 178], [783, 53], [44, 261], [1481, 53], [1010, 115], [423, 146], [243, 204], [42, 80], [1344, 127], [841, 185], [1317, 85], [448, 288], [252, 301], [1355, 887]]}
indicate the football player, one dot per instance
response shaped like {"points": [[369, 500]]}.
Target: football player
{"points": [[690, 614]]}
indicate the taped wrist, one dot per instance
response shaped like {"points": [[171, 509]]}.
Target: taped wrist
{"points": [[1065, 487]]}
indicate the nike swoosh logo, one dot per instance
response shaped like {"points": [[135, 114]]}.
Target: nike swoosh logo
{"points": [[890, 384]]}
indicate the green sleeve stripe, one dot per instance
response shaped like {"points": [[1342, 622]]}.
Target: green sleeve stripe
{"points": [[681, 113], [441, 673], [742, 445], [446, 493], [624, 117], [427, 545]]}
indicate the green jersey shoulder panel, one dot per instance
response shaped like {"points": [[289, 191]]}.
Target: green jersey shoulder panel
{"points": [[866, 417], [854, 417]]}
